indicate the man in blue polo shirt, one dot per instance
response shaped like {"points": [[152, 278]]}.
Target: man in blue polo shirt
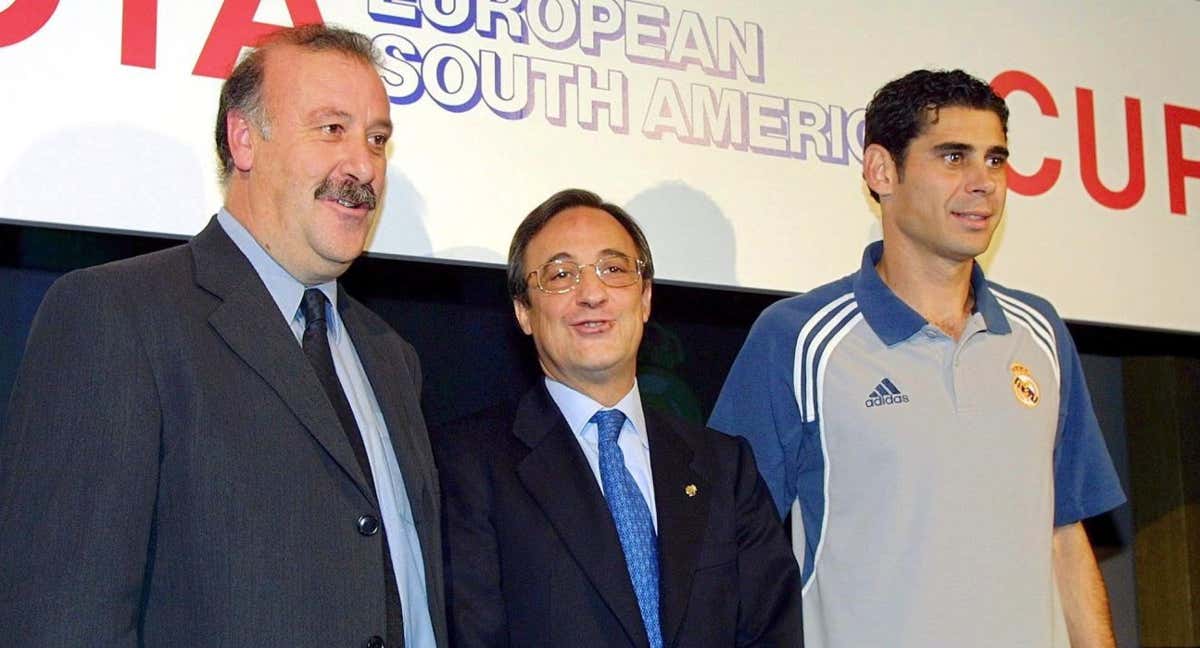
{"points": [[933, 429]]}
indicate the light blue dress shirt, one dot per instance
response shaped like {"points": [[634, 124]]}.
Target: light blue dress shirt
{"points": [[389, 483], [635, 444]]}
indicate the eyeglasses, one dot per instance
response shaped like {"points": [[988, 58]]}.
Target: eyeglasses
{"points": [[616, 271]]}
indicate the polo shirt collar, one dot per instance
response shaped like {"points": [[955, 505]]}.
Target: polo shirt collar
{"points": [[894, 321], [987, 305]]}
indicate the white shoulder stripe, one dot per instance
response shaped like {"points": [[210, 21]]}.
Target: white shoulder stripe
{"points": [[1035, 318], [798, 373], [1037, 325], [808, 343], [833, 342]]}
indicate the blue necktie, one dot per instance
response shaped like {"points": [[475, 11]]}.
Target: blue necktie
{"points": [[635, 528]]}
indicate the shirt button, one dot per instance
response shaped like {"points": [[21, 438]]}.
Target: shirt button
{"points": [[375, 642], [368, 525]]}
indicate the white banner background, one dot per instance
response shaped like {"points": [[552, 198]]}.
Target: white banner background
{"points": [[93, 142]]}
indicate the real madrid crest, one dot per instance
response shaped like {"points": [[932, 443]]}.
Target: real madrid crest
{"points": [[1024, 386]]}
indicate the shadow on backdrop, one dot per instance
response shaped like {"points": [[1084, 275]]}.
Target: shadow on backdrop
{"points": [[707, 254], [401, 221], [81, 160]]}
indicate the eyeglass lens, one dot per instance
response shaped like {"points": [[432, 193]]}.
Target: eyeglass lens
{"points": [[616, 271]]}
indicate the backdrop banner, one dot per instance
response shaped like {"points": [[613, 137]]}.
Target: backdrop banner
{"points": [[731, 131]]}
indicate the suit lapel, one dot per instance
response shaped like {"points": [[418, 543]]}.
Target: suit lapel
{"points": [[682, 518], [249, 322], [559, 479]]}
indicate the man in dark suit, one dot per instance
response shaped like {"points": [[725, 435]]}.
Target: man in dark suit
{"points": [[581, 520], [213, 444]]}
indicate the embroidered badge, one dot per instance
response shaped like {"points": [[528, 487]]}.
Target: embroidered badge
{"points": [[1024, 386]]}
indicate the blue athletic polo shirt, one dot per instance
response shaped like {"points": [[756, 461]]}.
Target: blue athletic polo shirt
{"points": [[928, 473]]}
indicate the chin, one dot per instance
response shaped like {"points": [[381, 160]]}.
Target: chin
{"points": [[344, 249]]}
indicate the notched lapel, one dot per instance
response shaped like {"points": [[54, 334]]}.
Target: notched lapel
{"points": [[559, 479], [682, 518], [251, 325]]}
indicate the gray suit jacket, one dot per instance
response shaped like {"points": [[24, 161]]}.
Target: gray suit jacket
{"points": [[172, 473]]}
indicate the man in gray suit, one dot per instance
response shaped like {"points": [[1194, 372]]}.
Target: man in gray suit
{"points": [[214, 444]]}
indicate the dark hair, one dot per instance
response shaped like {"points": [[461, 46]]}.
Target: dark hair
{"points": [[518, 288], [901, 110], [242, 91]]}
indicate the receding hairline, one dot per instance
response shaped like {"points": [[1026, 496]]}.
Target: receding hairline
{"points": [[268, 54], [563, 255]]}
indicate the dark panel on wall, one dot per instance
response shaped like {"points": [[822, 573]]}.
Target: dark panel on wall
{"points": [[1163, 419]]}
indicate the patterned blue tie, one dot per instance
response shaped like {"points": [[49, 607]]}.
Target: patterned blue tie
{"points": [[635, 528]]}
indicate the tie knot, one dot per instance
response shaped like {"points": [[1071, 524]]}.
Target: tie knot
{"points": [[312, 305], [609, 422]]}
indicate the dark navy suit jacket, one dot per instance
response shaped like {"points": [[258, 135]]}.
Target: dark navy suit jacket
{"points": [[533, 558]]}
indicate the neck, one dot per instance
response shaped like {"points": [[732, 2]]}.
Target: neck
{"points": [[939, 290], [241, 204], [606, 392]]}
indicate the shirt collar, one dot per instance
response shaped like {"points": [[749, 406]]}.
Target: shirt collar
{"points": [[578, 410], [285, 290], [894, 321]]}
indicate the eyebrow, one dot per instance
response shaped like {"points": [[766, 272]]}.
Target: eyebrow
{"points": [[962, 147], [606, 252], [327, 112]]}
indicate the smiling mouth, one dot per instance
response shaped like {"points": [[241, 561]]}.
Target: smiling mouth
{"points": [[972, 216], [977, 221], [347, 193], [592, 326]]}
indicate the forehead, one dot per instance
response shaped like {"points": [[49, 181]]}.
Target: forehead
{"points": [[963, 124], [579, 233], [296, 78]]}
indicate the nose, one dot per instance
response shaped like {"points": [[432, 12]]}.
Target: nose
{"points": [[358, 161], [591, 291], [981, 179]]}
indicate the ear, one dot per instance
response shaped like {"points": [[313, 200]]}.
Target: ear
{"points": [[522, 313], [879, 170], [646, 289], [239, 131]]}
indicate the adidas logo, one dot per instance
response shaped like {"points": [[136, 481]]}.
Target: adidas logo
{"points": [[886, 393]]}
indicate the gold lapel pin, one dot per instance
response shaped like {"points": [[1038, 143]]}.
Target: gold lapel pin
{"points": [[690, 489]]}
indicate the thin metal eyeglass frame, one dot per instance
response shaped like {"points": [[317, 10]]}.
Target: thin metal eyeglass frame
{"points": [[595, 266]]}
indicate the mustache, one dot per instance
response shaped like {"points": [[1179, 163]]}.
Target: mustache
{"points": [[347, 191]]}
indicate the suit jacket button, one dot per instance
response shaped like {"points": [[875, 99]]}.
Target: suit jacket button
{"points": [[376, 641], [368, 525]]}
